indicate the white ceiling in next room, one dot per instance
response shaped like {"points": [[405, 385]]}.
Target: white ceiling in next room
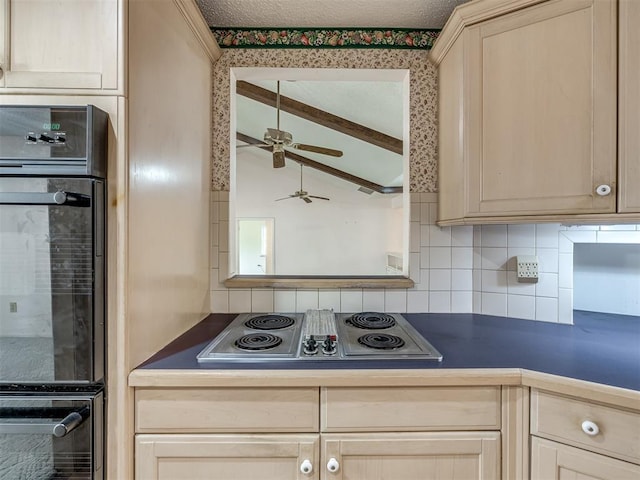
{"points": [[328, 13]]}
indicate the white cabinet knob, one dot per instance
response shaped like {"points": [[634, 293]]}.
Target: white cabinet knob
{"points": [[306, 467], [333, 465], [590, 428], [603, 190]]}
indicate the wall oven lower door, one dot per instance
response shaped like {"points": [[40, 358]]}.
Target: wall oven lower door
{"points": [[51, 280], [51, 436]]}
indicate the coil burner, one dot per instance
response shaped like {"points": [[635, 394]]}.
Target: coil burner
{"points": [[381, 341], [371, 320], [269, 322], [258, 341]]}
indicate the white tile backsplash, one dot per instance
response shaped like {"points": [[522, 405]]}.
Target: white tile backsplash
{"points": [[439, 236], [351, 300], [547, 235], [521, 306], [493, 258], [262, 300], [521, 236], [395, 300], [373, 300], [462, 257], [239, 300], [329, 299], [306, 299], [440, 257], [494, 304], [417, 301], [440, 279], [284, 301], [462, 236], [494, 235], [440, 302], [462, 302], [455, 269], [547, 309], [547, 285], [461, 280]]}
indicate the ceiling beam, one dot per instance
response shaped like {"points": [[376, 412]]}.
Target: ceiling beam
{"points": [[324, 168], [320, 117]]}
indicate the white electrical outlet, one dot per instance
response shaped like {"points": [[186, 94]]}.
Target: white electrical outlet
{"points": [[527, 268]]}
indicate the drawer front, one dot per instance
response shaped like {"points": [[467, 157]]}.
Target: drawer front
{"points": [[227, 410], [410, 409], [611, 431]]}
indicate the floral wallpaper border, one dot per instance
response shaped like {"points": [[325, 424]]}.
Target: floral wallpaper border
{"points": [[423, 100], [325, 38]]}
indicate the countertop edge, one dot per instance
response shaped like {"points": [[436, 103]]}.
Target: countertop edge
{"points": [[622, 397], [324, 378]]}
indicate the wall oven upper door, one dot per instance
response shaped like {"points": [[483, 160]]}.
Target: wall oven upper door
{"points": [[51, 437], [51, 280]]}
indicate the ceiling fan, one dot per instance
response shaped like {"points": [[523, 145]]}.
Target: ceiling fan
{"points": [[277, 140], [302, 194]]}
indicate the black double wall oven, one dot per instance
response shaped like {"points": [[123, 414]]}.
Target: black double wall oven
{"points": [[52, 291]]}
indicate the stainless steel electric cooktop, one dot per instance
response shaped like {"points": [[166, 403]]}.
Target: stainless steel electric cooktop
{"points": [[316, 335]]}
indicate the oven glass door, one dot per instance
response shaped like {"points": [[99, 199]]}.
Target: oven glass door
{"points": [[51, 276], [50, 437]]}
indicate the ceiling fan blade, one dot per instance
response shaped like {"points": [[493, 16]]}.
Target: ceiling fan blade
{"points": [[320, 198], [313, 148], [258, 145], [286, 198], [306, 199]]}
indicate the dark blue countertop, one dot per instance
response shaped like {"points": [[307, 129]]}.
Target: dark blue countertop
{"points": [[601, 348]]}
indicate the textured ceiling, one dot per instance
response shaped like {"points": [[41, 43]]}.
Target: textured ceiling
{"points": [[328, 13]]}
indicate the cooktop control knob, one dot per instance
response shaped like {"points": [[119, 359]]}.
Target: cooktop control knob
{"points": [[31, 137], [46, 138], [329, 345], [309, 346]]}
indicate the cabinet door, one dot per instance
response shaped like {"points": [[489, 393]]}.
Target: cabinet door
{"points": [[411, 456], [225, 457], [629, 106], [555, 461], [67, 44], [541, 118]]}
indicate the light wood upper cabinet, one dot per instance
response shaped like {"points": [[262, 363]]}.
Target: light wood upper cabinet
{"points": [[70, 45], [629, 106], [528, 111]]}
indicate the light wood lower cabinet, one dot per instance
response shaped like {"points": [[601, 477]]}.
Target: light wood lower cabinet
{"points": [[411, 456], [575, 439], [402, 433], [225, 457], [555, 461]]}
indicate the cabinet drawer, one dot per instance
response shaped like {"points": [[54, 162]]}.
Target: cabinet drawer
{"points": [[561, 419], [227, 410], [410, 409]]}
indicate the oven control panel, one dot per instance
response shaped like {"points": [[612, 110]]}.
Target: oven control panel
{"points": [[48, 138]]}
